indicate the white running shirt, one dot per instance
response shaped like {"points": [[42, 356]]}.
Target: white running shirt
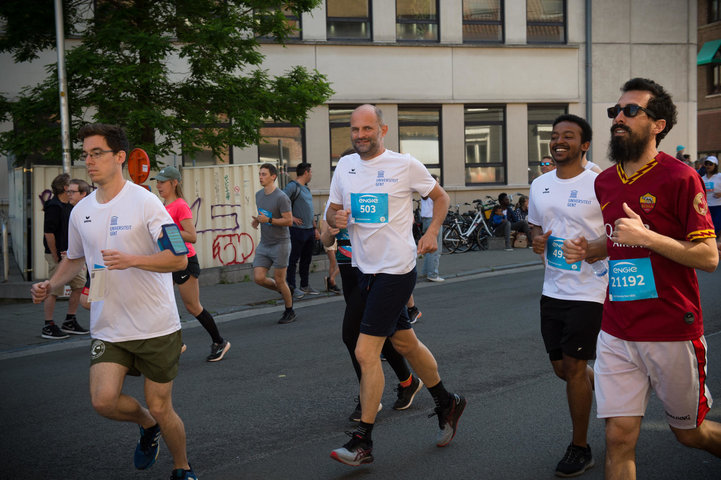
{"points": [[570, 209], [138, 304], [383, 240]]}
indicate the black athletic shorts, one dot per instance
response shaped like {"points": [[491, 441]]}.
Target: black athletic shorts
{"points": [[570, 327], [193, 269], [385, 297]]}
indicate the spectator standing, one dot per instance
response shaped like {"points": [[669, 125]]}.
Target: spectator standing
{"points": [[658, 230], [431, 259], [547, 164], [170, 190], [712, 182], [134, 320], [563, 205], [274, 218], [679, 152], [303, 231], [78, 190], [55, 240]]}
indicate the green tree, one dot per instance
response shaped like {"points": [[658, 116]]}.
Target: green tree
{"points": [[168, 71]]}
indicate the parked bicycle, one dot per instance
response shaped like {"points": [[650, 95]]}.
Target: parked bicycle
{"points": [[461, 235]]}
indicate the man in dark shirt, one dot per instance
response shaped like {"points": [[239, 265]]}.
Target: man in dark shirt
{"points": [[55, 239]]}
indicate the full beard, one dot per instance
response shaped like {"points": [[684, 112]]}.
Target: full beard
{"points": [[627, 148]]}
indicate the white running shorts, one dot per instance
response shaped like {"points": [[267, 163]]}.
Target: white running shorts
{"points": [[625, 372]]}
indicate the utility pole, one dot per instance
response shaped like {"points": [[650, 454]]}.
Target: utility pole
{"points": [[63, 85]]}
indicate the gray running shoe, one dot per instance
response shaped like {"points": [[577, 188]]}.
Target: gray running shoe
{"points": [[407, 394], [576, 461], [448, 419], [354, 453], [298, 293], [309, 290]]}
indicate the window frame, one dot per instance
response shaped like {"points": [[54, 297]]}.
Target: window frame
{"points": [[437, 23], [420, 123], [563, 24], [501, 23], [536, 165], [504, 162], [713, 86], [714, 11], [284, 176], [368, 22]]}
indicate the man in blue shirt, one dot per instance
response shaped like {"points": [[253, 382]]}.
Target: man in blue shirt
{"points": [[303, 231]]}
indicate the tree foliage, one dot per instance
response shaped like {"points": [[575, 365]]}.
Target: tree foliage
{"points": [[168, 71]]}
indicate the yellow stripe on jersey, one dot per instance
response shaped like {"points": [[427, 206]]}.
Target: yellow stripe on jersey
{"points": [[629, 180], [701, 234]]}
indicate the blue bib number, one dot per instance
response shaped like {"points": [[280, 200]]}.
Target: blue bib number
{"points": [[555, 258], [709, 186], [631, 279], [369, 207]]}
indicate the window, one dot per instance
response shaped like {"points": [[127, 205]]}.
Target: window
{"points": [[339, 118], [417, 20], [546, 21], [292, 19], [205, 156], [483, 21], [714, 79], [419, 133], [484, 140], [348, 20], [281, 144], [714, 11], [540, 125]]}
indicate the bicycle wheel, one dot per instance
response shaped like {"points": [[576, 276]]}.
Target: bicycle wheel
{"points": [[483, 235], [464, 243], [451, 240]]}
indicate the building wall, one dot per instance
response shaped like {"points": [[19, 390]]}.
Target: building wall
{"points": [[709, 104], [654, 39]]}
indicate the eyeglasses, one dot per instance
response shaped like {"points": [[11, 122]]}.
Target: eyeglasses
{"points": [[630, 110], [708, 163], [72, 191], [546, 164], [95, 154]]}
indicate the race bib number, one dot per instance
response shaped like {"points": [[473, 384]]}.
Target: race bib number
{"points": [[554, 255], [709, 186], [369, 207], [631, 279]]}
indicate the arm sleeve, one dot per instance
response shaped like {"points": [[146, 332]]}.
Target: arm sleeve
{"points": [[692, 206], [284, 203], [155, 216], [421, 179], [336, 194]]}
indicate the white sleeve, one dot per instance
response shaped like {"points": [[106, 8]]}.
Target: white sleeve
{"points": [[420, 178], [75, 242], [336, 189], [533, 214], [156, 216]]}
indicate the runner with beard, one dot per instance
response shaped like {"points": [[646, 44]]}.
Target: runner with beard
{"points": [[658, 231]]}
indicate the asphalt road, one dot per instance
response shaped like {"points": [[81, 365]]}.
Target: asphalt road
{"points": [[278, 404]]}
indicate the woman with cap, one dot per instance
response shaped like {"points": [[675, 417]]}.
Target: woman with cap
{"points": [[712, 180], [168, 184]]}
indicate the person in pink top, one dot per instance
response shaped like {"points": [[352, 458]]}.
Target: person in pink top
{"points": [[169, 188]]}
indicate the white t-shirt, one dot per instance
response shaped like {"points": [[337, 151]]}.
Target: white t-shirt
{"points": [[379, 193], [589, 165], [569, 208], [138, 304], [713, 185], [427, 208]]}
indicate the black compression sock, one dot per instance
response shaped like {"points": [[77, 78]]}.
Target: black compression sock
{"points": [[207, 321], [364, 429], [440, 395]]}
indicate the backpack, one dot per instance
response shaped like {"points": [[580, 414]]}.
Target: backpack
{"points": [[294, 196]]}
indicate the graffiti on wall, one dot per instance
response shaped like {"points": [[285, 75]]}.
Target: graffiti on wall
{"points": [[231, 246]]}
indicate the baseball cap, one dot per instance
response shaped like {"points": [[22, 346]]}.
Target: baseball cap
{"points": [[679, 148], [711, 159], [167, 173]]}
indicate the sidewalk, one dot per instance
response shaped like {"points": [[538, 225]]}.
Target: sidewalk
{"points": [[21, 322]]}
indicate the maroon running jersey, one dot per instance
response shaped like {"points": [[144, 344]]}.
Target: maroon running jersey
{"points": [[650, 297]]}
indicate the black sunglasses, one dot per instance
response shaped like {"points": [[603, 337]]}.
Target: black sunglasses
{"points": [[630, 110], [709, 163]]}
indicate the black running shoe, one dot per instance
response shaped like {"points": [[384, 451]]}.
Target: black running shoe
{"points": [[414, 314], [218, 351], [53, 332], [180, 474], [448, 419], [406, 394], [334, 289], [288, 317], [73, 327], [576, 461], [146, 452], [354, 453]]}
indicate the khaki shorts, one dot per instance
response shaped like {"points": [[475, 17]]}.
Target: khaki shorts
{"points": [[333, 247], [76, 283], [156, 358]]}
